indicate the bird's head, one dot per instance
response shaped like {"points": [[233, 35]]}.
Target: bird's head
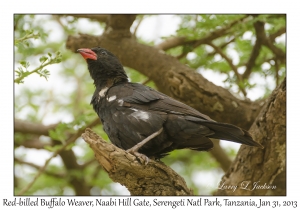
{"points": [[103, 65]]}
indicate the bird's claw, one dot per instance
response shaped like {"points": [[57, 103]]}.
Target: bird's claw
{"points": [[144, 159]]}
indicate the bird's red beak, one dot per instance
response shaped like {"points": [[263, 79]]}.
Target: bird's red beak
{"points": [[87, 53]]}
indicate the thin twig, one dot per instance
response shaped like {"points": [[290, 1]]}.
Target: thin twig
{"points": [[222, 46], [138, 25], [220, 155], [278, 33], [57, 18], [38, 167], [178, 41], [96, 171], [51, 61], [233, 67], [27, 36], [146, 81], [87, 163]]}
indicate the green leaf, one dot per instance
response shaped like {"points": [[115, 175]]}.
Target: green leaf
{"points": [[43, 59], [25, 64], [60, 132]]}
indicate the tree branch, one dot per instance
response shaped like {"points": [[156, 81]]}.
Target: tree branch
{"points": [[171, 42], [155, 178], [258, 26], [276, 34], [32, 128], [268, 42], [265, 166], [33, 143]]}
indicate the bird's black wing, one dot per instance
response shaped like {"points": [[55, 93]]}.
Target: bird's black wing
{"points": [[146, 98], [156, 101]]}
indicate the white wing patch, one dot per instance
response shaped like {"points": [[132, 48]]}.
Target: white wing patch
{"points": [[103, 92], [112, 98], [120, 102], [140, 115]]}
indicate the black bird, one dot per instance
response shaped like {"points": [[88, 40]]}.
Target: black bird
{"points": [[140, 119]]}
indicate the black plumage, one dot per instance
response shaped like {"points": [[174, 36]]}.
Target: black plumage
{"points": [[131, 112]]}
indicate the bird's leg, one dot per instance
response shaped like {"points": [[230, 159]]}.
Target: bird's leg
{"points": [[134, 150]]}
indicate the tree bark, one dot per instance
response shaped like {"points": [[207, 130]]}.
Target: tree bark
{"points": [[155, 178], [256, 171]]}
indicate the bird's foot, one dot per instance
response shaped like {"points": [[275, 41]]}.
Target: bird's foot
{"points": [[134, 149], [144, 159]]}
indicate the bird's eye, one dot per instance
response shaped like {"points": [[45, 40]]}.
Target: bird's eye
{"points": [[104, 53]]}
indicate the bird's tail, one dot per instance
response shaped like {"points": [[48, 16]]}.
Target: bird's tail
{"points": [[228, 132], [232, 133]]}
